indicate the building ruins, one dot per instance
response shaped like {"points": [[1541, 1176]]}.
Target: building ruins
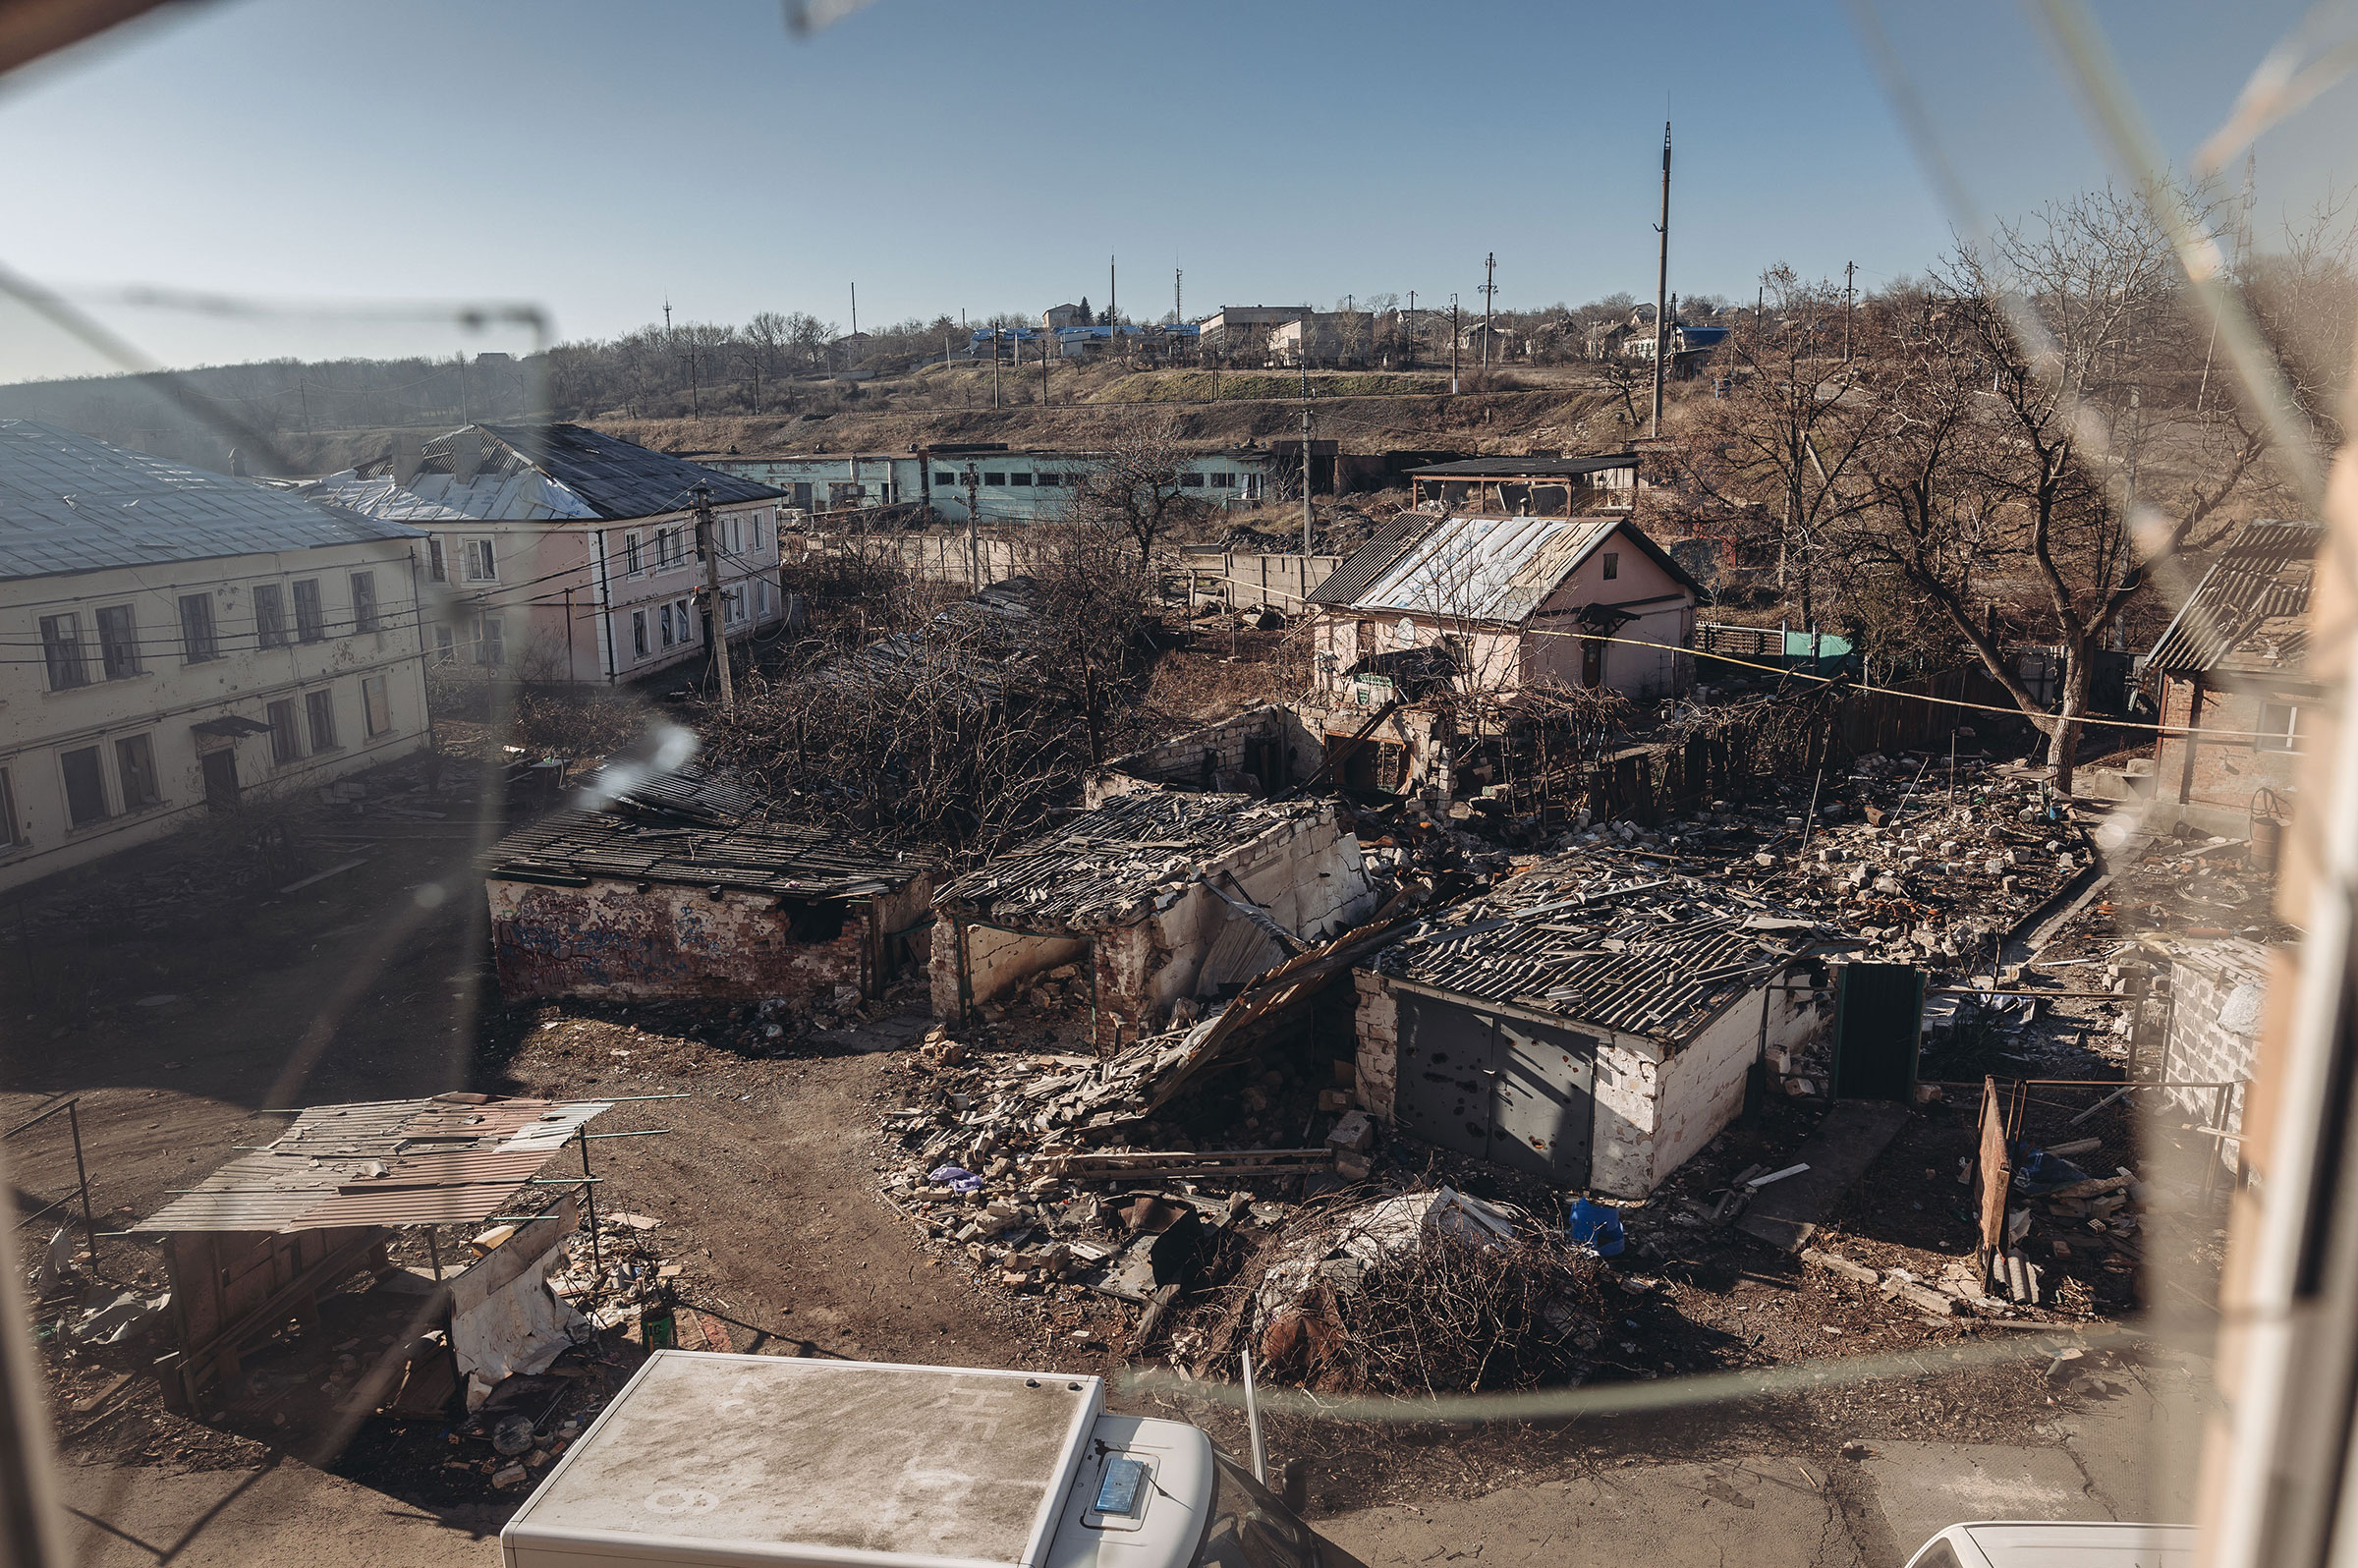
{"points": [[1149, 904]]}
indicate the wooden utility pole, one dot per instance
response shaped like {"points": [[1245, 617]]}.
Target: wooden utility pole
{"points": [[1113, 321], [1412, 330], [1849, 271], [995, 334], [1453, 336], [715, 618], [1662, 288], [973, 535], [1489, 298]]}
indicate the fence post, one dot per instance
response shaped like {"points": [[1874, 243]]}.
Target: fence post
{"points": [[82, 1175]]}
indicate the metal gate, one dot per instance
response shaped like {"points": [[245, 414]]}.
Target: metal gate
{"points": [[1514, 1092]]}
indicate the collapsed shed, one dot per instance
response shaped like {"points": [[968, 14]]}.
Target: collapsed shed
{"points": [[670, 890], [1159, 899], [262, 1239], [1591, 1030]]}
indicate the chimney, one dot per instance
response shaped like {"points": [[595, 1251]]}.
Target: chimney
{"points": [[406, 457], [466, 454]]}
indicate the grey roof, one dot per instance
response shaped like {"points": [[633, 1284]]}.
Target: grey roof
{"points": [[2251, 609], [72, 503], [1568, 936], [1369, 562], [535, 473], [1518, 467], [1494, 569]]}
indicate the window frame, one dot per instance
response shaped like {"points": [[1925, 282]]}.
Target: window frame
{"points": [[143, 745], [446, 644], [311, 611], [126, 643], [469, 545], [96, 752], [377, 705], [366, 615], [1609, 565], [286, 741], [319, 720], [489, 641], [437, 561], [11, 829], [634, 558], [62, 656], [199, 645], [2287, 740], [271, 631], [639, 634]]}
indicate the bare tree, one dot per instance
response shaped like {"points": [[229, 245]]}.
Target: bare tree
{"points": [[1133, 485]]}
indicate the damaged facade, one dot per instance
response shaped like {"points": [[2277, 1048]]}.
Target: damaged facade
{"points": [[1147, 905], [672, 890], [1590, 1031]]}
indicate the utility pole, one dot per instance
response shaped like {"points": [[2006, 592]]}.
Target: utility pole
{"points": [[1177, 314], [855, 310], [1453, 345], [715, 619], [1849, 271], [974, 509], [1113, 321], [996, 333], [1662, 288], [1489, 296], [667, 315], [1412, 330], [1305, 510]]}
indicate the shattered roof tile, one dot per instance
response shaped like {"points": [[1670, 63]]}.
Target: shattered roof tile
{"points": [[2251, 609]]}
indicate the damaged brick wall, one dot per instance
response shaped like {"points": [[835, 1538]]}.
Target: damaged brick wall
{"points": [[2218, 994], [1378, 1056], [1269, 739], [609, 940], [2224, 771]]}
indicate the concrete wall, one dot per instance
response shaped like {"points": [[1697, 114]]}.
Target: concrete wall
{"points": [[609, 940], [1655, 1105], [168, 695], [2218, 994], [995, 963], [1233, 580]]}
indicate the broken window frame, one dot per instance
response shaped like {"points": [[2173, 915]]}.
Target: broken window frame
{"points": [[199, 639], [488, 641], [84, 791], [134, 773], [269, 616], [319, 719], [446, 644], [377, 705], [61, 652], [639, 634], [365, 614], [1612, 565], [286, 741], [478, 560], [311, 611], [118, 642], [437, 566], [2280, 728], [13, 835]]}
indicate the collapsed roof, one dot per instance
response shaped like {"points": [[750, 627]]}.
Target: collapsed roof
{"points": [[534, 474], [2251, 609], [1657, 956]]}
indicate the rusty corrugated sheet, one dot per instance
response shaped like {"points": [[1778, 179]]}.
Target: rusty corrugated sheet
{"points": [[449, 1161]]}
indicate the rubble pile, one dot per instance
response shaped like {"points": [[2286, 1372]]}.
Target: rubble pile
{"points": [[1421, 1292], [615, 1273], [2085, 1220]]}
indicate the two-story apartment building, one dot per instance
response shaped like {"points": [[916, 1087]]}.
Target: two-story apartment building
{"points": [[568, 554], [179, 640]]}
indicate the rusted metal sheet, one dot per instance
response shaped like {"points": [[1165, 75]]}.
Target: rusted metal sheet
{"points": [[453, 1159], [1996, 1170]]}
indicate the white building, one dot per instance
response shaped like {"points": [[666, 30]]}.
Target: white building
{"points": [[183, 639], [569, 554]]}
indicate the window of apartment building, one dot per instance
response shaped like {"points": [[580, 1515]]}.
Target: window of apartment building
{"points": [[364, 601], [135, 771], [311, 623], [376, 707], [668, 634], [732, 606], [1019, 479], [61, 649], [285, 745], [490, 647], [476, 560], [2280, 728], [435, 566], [197, 639], [1612, 565], [118, 642], [999, 480], [86, 785], [945, 479], [270, 615], [1049, 479], [639, 633], [319, 707], [761, 598], [446, 646], [12, 830], [680, 609], [631, 563]]}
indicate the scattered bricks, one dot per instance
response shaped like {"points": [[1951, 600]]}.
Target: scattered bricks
{"points": [[1354, 1132], [513, 1475], [1334, 1099]]}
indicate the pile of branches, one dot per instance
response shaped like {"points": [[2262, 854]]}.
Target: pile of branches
{"points": [[1448, 1316]]}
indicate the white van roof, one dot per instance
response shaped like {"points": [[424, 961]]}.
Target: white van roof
{"points": [[2013, 1544]]}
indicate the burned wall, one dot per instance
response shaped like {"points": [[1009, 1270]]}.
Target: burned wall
{"points": [[614, 942]]}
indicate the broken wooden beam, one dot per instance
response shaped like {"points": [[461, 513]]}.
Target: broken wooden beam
{"points": [[1185, 1164]]}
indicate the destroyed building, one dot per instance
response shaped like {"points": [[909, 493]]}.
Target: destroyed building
{"points": [[1145, 906], [672, 890], [1583, 1027], [2239, 702], [277, 1228]]}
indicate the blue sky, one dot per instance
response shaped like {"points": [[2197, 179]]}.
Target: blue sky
{"points": [[593, 156]]}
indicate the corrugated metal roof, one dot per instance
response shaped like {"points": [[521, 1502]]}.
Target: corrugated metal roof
{"points": [[454, 1159], [1369, 561], [535, 473], [1110, 866], [2251, 609], [1518, 467], [1484, 568], [71, 503], [800, 861], [1656, 956]]}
